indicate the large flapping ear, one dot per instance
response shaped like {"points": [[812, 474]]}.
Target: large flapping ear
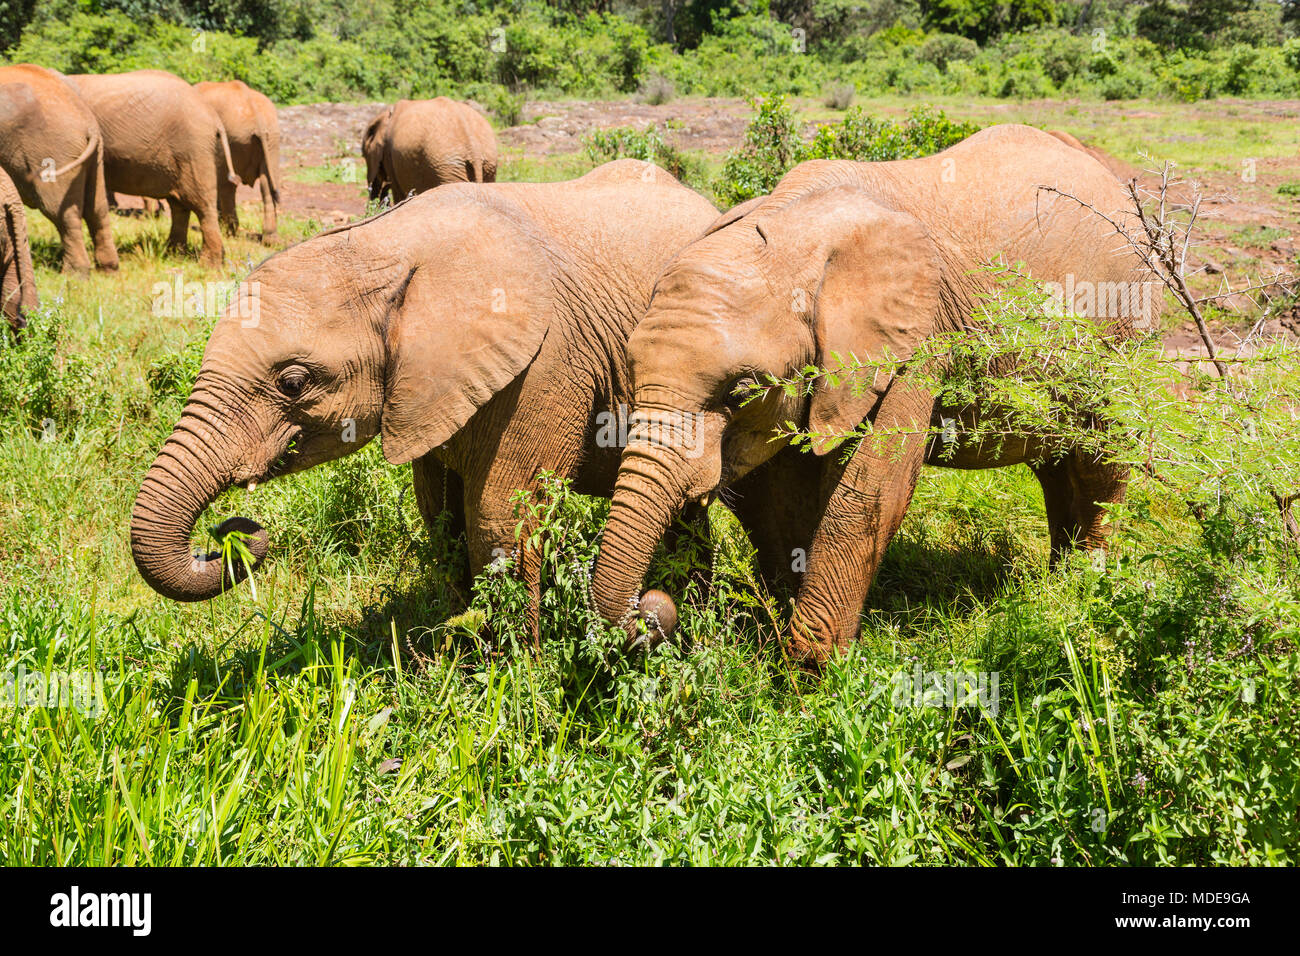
{"points": [[878, 299], [472, 317]]}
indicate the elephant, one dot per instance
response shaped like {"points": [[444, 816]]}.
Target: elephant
{"points": [[52, 149], [852, 259], [253, 128], [162, 140], [415, 145], [478, 328], [17, 281]]}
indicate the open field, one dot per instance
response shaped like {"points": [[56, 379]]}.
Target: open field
{"points": [[347, 710]]}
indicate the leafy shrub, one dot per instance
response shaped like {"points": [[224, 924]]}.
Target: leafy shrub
{"points": [[656, 90], [41, 383], [649, 145], [774, 144], [940, 49], [841, 97]]}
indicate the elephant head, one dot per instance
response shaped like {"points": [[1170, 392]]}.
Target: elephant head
{"points": [[401, 326], [807, 276], [374, 145]]}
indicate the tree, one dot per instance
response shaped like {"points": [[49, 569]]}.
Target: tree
{"points": [[981, 20]]}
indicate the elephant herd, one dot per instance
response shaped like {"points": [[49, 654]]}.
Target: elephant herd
{"points": [[490, 332], [69, 143]]}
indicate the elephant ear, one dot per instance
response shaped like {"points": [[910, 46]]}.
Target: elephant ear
{"points": [[878, 298], [472, 318], [734, 214]]}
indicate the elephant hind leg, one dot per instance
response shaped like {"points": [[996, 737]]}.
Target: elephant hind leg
{"points": [[178, 239], [269, 222], [68, 223], [227, 211], [95, 208], [213, 252], [1075, 488]]}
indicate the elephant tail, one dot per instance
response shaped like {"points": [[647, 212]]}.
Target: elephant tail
{"points": [[92, 146], [225, 150]]}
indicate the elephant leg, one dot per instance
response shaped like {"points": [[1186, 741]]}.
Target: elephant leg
{"points": [[74, 242], [210, 226], [1075, 487], [866, 499], [490, 536], [439, 490], [779, 506], [227, 211], [269, 222], [99, 218], [178, 240]]}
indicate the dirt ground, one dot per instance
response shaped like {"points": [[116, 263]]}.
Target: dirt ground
{"points": [[327, 137]]}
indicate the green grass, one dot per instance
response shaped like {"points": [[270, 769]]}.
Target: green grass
{"points": [[352, 712]]}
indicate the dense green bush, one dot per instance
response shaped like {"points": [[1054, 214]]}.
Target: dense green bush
{"points": [[430, 47], [774, 143]]}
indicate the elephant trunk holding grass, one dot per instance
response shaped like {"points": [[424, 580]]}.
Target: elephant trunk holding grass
{"points": [[416, 145], [852, 259], [52, 148], [162, 140], [17, 281], [480, 329], [253, 129]]}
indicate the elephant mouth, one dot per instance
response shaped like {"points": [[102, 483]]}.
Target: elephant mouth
{"points": [[286, 463]]}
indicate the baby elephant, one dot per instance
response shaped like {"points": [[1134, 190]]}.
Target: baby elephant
{"points": [[163, 141], [854, 259], [17, 283], [416, 145], [479, 329]]}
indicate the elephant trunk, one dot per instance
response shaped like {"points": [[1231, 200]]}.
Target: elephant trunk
{"points": [[187, 476], [646, 497]]}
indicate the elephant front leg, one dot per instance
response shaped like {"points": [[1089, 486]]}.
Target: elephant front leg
{"points": [[439, 491], [779, 505], [866, 499]]}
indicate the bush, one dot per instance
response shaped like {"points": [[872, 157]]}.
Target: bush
{"points": [[774, 144], [940, 49], [649, 145], [841, 97]]}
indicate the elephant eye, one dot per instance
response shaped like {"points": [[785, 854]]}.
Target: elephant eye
{"points": [[739, 390], [293, 381]]}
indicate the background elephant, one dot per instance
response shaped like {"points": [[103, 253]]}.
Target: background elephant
{"points": [[253, 129], [161, 139], [17, 283], [849, 259], [416, 145], [479, 329], [51, 147]]}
